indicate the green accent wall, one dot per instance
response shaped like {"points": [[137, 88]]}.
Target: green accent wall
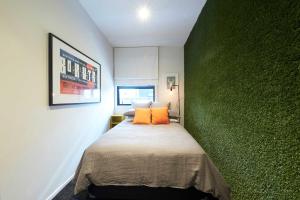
{"points": [[242, 94]]}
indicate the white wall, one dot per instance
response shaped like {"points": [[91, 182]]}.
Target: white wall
{"points": [[40, 146], [171, 60]]}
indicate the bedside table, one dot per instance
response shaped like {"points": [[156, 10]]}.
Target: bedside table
{"points": [[115, 120]]}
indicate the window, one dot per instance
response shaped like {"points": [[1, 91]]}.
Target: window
{"points": [[127, 94]]}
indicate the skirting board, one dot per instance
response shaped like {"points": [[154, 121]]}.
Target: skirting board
{"points": [[57, 190]]}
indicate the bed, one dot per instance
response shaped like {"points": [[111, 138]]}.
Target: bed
{"points": [[149, 155]]}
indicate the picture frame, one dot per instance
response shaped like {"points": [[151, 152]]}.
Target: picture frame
{"points": [[74, 77], [171, 79]]}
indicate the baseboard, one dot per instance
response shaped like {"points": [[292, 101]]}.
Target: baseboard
{"points": [[57, 190]]}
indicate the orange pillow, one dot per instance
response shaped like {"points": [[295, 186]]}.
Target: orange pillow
{"points": [[142, 116], [160, 115]]}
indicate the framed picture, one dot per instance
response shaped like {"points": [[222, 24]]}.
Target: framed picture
{"points": [[74, 78], [171, 79]]}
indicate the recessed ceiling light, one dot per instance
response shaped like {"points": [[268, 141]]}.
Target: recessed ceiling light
{"points": [[143, 13]]}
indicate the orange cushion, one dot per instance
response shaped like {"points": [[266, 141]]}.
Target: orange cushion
{"points": [[160, 115], [142, 116]]}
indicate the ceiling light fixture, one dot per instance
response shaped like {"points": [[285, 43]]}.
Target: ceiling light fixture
{"points": [[143, 13]]}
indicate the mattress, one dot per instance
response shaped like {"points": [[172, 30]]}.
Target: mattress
{"points": [[149, 155]]}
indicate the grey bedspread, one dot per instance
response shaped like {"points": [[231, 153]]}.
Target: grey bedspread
{"points": [[150, 155]]}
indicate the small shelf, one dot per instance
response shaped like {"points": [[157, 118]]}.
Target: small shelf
{"points": [[115, 120]]}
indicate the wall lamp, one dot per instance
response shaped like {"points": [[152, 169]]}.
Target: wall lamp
{"points": [[178, 94]]}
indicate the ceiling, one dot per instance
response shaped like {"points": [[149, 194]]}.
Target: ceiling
{"points": [[169, 24]]}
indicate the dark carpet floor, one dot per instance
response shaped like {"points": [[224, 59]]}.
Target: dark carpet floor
{"points": [[67, 194]]}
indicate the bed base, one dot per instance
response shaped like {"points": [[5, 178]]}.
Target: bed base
{"points": [[142, 193]]}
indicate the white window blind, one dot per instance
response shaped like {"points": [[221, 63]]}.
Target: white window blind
{"points": [[136, 63]]}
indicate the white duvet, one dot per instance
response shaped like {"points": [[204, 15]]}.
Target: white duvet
{"points": [[150, 155]]}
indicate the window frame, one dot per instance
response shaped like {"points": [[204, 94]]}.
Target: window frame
{"points": [[133, 87]]}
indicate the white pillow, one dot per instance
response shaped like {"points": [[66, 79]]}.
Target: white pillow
{"points": [[129, 119], [160, 104], [129, 113], [173, 114], [141, 104]]}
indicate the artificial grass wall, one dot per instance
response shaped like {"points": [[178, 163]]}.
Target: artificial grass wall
{"points": [[242, 94]]}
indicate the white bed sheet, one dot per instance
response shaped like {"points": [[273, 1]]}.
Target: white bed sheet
{"points": [[150, 155]]}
